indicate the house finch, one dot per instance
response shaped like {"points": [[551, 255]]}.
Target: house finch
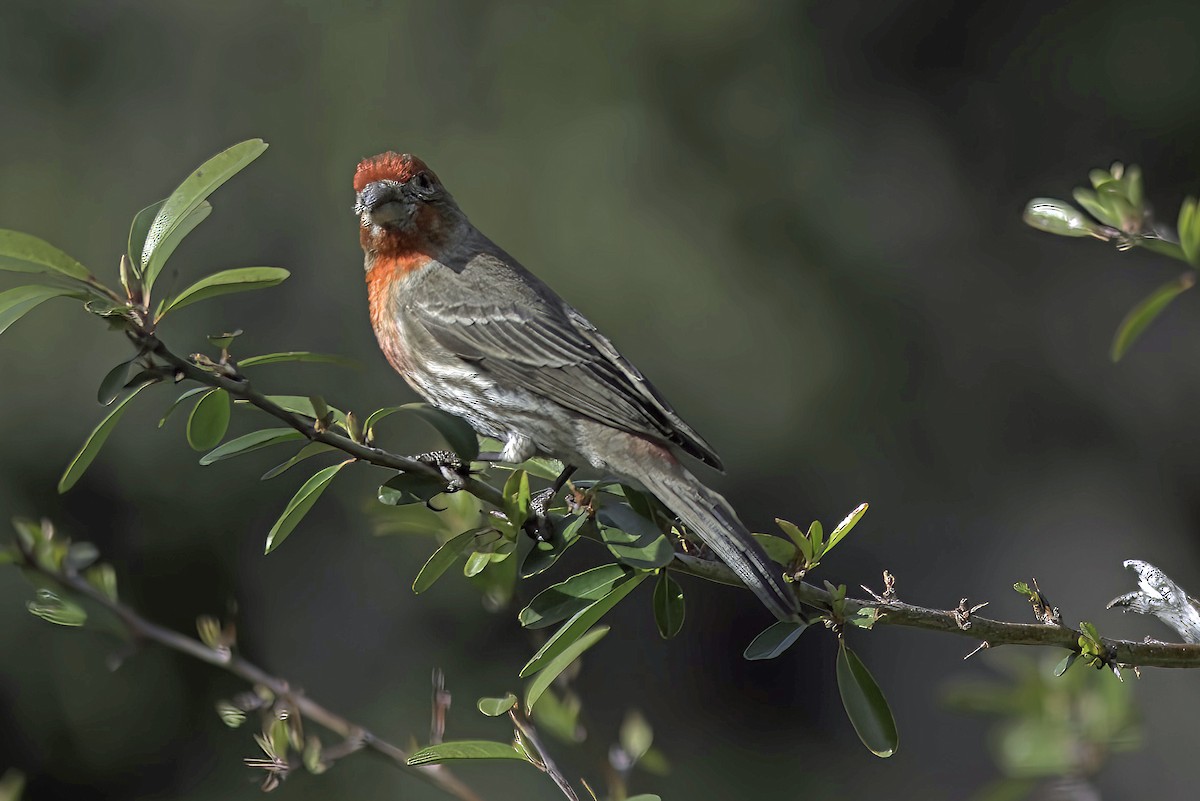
{"points": [[477, 335]]}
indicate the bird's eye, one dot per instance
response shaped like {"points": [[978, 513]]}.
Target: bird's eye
{"points": [[423, 183]]}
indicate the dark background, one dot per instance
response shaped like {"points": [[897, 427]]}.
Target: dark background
{"points": [[801, 219]]}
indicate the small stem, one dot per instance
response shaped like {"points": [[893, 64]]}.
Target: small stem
{"points": [[530, 734], [141, 628]]}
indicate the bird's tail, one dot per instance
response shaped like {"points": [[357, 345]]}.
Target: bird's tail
{"points": [[712, 519]]}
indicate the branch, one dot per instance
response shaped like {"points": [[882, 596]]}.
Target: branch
{"points": [[892, 612], [141, 629], [240, 388], [961, 622]]}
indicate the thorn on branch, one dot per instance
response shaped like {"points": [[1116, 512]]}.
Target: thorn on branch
{"points": [[984, 644], [889, 595], [962, 614]]}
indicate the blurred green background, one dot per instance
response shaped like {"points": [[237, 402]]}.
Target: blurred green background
{"points": [[801, 219]]}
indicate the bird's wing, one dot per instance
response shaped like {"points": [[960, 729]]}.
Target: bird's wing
{"points": [[553, 351]]}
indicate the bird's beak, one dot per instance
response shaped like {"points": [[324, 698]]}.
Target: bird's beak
{"points": [[382, 201]]}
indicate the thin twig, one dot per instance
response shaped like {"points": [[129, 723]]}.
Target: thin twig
{"points": [[894, 613], [142, 629], [995, 632], [530, 735]]}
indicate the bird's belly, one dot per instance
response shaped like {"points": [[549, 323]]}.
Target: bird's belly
{"points": [[493, 410]]}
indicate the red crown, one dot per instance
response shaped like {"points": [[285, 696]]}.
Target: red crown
{"points": [[387, 166]]}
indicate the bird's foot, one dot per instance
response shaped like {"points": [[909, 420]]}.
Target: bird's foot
{"points": [[452, 468]]}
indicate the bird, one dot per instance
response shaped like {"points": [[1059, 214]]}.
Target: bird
{"points": [[477, 335]]}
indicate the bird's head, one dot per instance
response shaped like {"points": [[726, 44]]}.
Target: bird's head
{"points": [[401, 204]]}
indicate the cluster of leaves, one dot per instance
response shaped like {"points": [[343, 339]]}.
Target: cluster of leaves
{"points": [[639, 536], [1119, 214], [1049, 727]]}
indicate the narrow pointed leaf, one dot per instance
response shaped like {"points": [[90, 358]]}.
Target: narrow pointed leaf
{"points": [[137, 233], [22, 253], [583, 620], [781, 551], [300, 503], [668, 606], [446, 555], [240, 279], [634, 540], [409, 488], [191, 393], [188, 197], [54, 609], [164, 249], [776, 639], [843, 528], [114, 381], [560, 601], [542, 556], [798, 537], [298, 404], [1143, 314], [295, 356], [308, 451], [517, 498], [495, 707], [94, 442], [554, 667], [865, 705], [464, 749], [209, 420], [251, 442], [16, 303]]}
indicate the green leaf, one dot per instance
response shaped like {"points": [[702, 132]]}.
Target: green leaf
{"points": [[542, 556], [644, 797], [668, 605], [495, 707], [865, 705], [632, 539], [517, 498], [776, 639], [295, 356], [560, 601], [191, 393], [22, 253], [50, 607], [1066, 663], [798, 537], [300, 503], [298, 404], [635, 736], [94, 442], [240, 279], [1140, 317], [137, 233], [579, 623], [165, 248], [815, 536], [1189, 230], [251, 442], [1057, 217], [187, 198], [209, 420], [446, 555], [408, 488], [309, 450], [15, 303], [780, 551], [555, 666], [464, 749], [114, 381], [843, 528]]}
